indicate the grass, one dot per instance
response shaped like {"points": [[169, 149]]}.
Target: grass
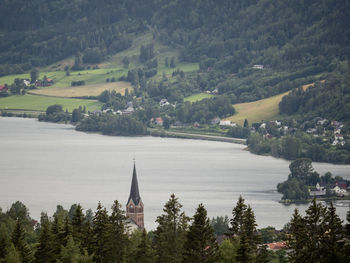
{"points": [[86, 90], [265, 109], [198, 97], [40, 103], [256, 111]]}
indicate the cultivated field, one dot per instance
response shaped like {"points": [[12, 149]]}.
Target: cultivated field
{"points": [[198, 97], [266, 109], [40, 103], [86, 90]]}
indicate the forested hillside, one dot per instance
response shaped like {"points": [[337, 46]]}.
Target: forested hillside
{"points": [[226, 35]]}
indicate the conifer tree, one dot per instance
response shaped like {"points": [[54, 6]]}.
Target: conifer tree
{"points": [[117, 237], [144, 252], [238, 217], [47, 247], [297, 238], [100, 230], [12, 255], [18, 240], [77, 224], [67, 230], [243, 228], [4, 240], [171, 232], [201, 245]]}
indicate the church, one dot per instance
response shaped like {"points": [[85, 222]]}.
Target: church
{"points": [[134, 206]]}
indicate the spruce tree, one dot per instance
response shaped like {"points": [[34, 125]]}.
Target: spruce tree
{"points": [[238, 217], [46, 249], [77, 224], [12, 255], [18, 240], [331, 242], [201, 245], [117, 236], [171, 232], [100, 230], [297, 238], [144, 252]]}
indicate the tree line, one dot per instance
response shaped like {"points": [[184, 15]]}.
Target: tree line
{"points": [[102, 236]]}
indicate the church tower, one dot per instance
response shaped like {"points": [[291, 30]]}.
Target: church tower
{"points": [[134, 206]]}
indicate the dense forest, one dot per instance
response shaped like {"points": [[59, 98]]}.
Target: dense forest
{"points": [[102, 236]]}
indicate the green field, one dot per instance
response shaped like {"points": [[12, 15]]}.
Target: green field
{"points": [[95, 79], [40, 103], [198, 97], [266, 109]]}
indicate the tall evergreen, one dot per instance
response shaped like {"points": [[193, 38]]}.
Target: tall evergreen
{"points": [[78, 224], [171, 232], [243, 229], [117, 236], [201, 245], [144, 252], [19, 242], [100, 230], [47, 247], [238, 217]]}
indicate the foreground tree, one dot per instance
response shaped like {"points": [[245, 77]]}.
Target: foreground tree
{"points": [[201, 245], [317, 237], [243, 230], [144, 252], [18, 240], [117, 236], [171, 232]]}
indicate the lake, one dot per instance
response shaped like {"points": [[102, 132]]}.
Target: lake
{"points": [[45, 164]]}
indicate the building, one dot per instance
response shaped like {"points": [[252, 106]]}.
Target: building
{"points": [[134, 206]]}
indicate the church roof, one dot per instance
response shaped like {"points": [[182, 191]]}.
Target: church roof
{"points": [[134, 190]]}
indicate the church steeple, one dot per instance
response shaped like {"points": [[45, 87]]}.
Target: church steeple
{"points": [[134, 190], [134, 206]]}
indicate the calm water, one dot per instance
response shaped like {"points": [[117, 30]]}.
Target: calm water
{"points": [[44, 164]]}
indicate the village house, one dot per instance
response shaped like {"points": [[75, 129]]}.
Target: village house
{"points": [[3, 88], [163, 102], [258, 66], [157, 121], [276, 245]]}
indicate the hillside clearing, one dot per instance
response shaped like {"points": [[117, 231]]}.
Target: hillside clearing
{"points": [[86, 90], [261, 110], [198, 97], [40, 103]]}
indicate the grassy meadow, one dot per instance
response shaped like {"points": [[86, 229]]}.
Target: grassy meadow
{"points": [[265, 109], [95, 79], [198, 97], [40, 103], [86, 90]]}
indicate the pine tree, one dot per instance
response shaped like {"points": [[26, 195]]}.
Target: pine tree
{"points": [[171, 232], [117, 237], [12, 255], [314, 221], [78, 224], [18, 240], [243, 228], [296, 239], [201, 245], [238, 217], [332, 236], [46, 249], [4, 241], [100, 228], [144, 252]]}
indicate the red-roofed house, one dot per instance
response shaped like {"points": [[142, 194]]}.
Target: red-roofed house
{"points": [[276, 245], [3, 88]]}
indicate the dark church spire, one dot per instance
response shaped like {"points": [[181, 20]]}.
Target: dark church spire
{"points": [[134, 190]]}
